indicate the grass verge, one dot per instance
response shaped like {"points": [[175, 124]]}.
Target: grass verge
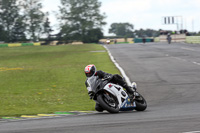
{"points": [[46, 79]]}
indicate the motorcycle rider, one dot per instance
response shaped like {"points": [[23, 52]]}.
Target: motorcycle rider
{"points": [[169, 38], [90, 70]]}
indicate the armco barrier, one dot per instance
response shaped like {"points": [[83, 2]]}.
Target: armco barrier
{"points": [[19, 44]]}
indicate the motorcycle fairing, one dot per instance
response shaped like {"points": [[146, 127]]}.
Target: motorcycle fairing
{"points": [[124, 101], [116, 90], [127, 106]]}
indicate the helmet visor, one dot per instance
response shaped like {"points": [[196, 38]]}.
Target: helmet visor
{"points": [[89, 74]]}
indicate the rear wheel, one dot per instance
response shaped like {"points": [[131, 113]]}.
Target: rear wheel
{"points": [[140, 102], [108, 102]]}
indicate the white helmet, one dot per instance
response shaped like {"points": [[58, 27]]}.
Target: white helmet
{"points": [[90, 70]]}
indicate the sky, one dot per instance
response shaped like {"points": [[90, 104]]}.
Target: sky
{"points": [[143, 13]]}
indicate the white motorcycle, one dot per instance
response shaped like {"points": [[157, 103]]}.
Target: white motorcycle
{"points": [[112, 97]]}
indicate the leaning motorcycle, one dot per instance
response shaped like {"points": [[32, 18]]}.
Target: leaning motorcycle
{"points": [[113, 97]]}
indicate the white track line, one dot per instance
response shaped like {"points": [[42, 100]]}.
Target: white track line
{"points": [[187, 48], [192, 132], [181, 59], [119, 67], [196, 63]]}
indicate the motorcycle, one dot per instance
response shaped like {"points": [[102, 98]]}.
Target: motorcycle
{"points": [[113, 97]]}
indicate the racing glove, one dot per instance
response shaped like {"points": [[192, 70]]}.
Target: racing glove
{"points": [[91, 94]]}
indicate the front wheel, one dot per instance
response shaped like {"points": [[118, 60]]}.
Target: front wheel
{"points": [[108, 102], [140, 102]]}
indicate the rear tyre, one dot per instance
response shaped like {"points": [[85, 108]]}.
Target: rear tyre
{"points": [[140, 102], [111, 107]]}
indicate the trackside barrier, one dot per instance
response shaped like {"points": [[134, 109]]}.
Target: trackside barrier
{"points": [[14, 44], [36, 44], [193, 39], [27, 44], [181, 38], [19, 44], [140, 40], [122, 42], [175, 38], [156, 39], [3, 45]]}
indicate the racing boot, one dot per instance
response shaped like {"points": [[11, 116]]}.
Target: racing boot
{"points": [[136, 94], [131, 92], [134, 86]]}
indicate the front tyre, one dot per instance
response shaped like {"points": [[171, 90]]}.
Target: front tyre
{"points": [[140, 102], [105, 103]]}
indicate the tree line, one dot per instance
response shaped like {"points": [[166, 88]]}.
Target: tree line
{"points": [[25, 21], [20, 20], [126, 30], [79, 20]]}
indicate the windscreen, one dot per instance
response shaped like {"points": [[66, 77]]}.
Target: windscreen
{"points": [[93, 82]]}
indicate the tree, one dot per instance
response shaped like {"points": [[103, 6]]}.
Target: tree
{"points": [[79, 17], [2, 34], [122, 29], [34, 18], [9, 13], [18, 31], [47, 29], [147, 32], [93, 35]]}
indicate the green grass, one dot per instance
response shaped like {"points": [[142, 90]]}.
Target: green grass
{"points": [[46, 79]]}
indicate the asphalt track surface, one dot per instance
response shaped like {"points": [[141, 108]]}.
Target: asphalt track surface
{"points": [[168, 76]]}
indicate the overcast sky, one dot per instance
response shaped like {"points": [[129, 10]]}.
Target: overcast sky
{"points": [[143, 13]]}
